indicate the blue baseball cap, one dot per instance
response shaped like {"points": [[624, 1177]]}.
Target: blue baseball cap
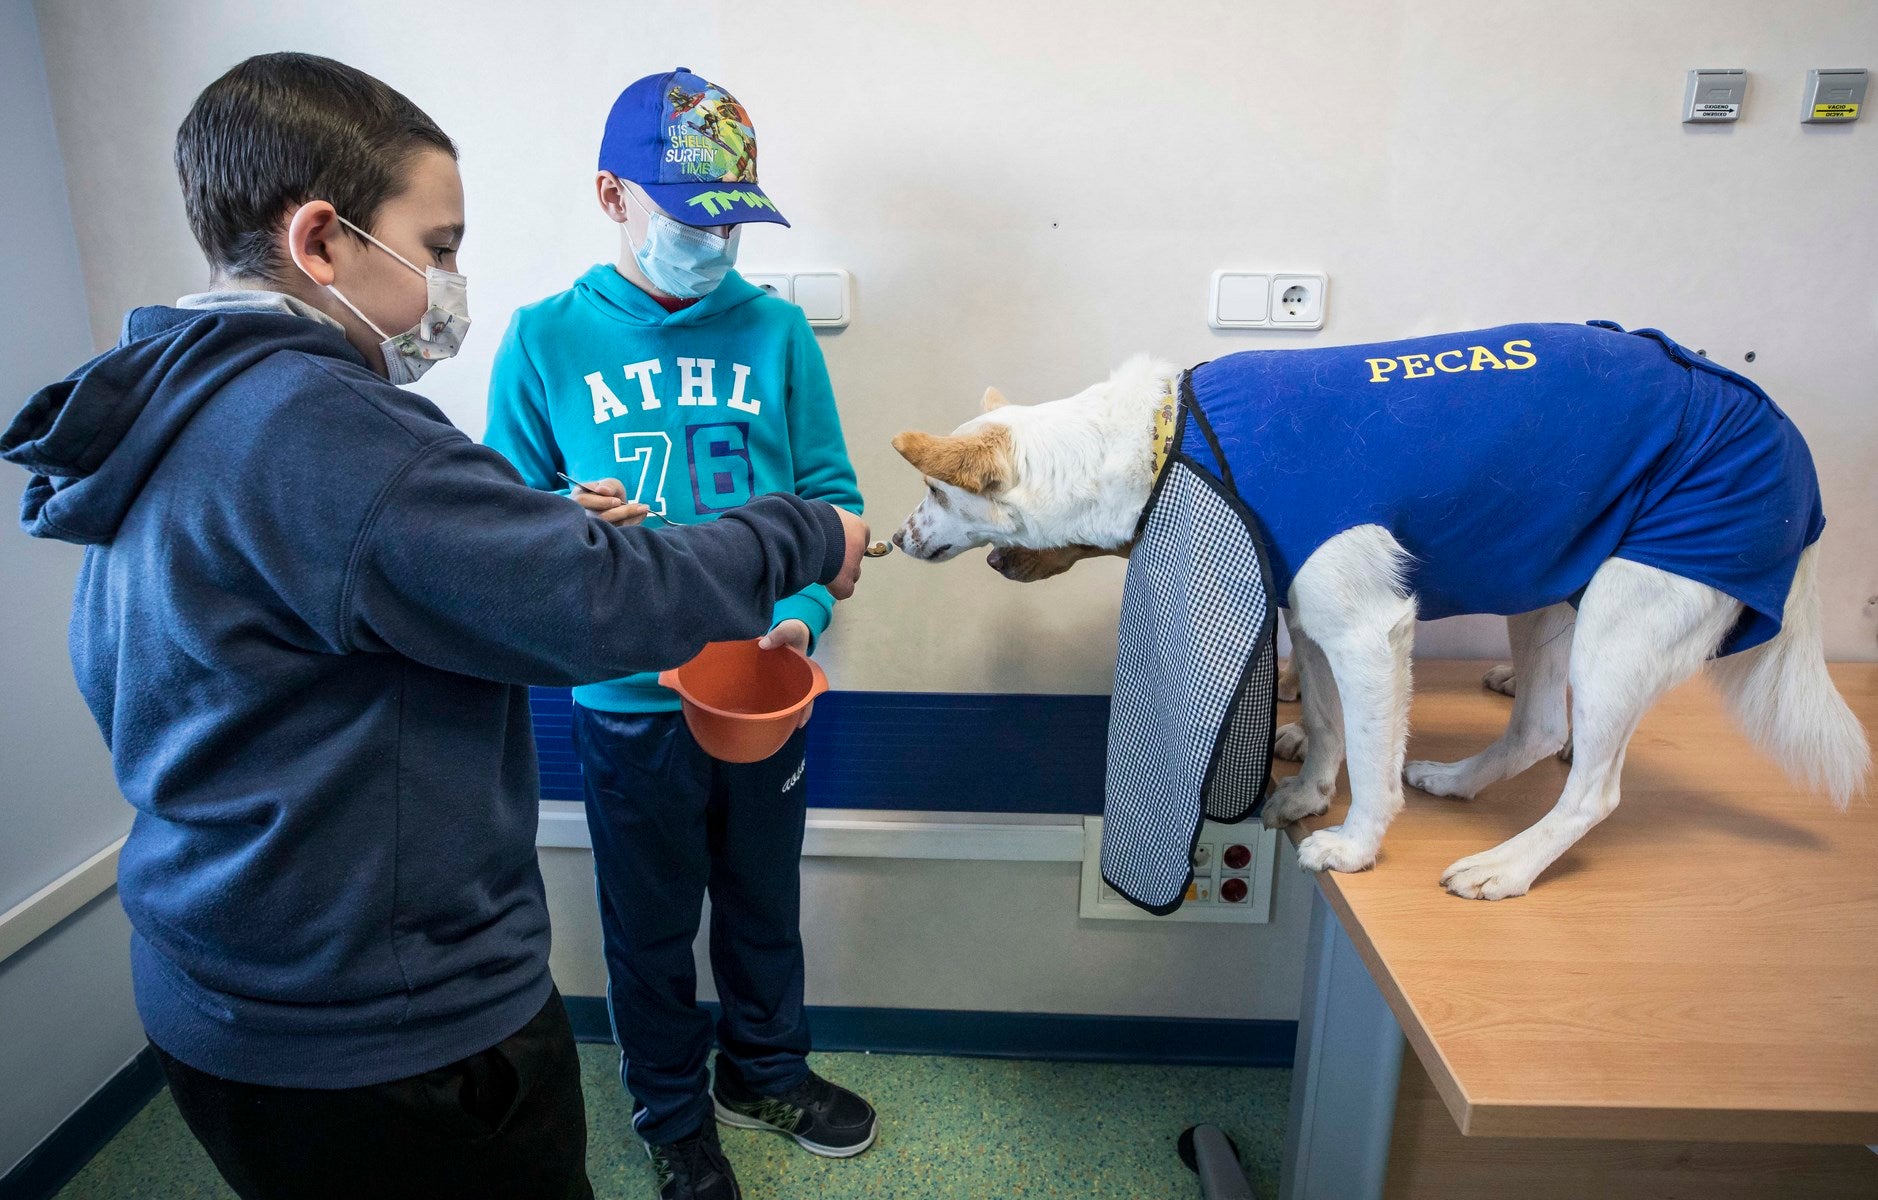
{"points": [[689, 144]]}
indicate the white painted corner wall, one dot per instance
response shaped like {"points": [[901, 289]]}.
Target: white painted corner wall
{"points": [[67, 1024]]}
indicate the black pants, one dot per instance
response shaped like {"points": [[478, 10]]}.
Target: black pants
{"points": [[508, 1122]]}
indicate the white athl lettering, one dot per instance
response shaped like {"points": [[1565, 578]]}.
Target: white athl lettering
{"points": [[643, 372], [737, 401], [694, 381], [606, 405]]}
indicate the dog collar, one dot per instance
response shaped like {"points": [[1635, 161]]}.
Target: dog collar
{"points": [[1166, 424]]}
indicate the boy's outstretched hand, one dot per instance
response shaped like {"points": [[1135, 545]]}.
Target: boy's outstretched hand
{"points": [[796, 634], [606, 499], [842, 585]]}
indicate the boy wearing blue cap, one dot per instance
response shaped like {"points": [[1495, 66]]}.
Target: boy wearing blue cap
{"points": [[669, 371]]}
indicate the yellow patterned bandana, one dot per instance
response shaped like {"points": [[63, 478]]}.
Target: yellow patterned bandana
{"points": [[1166, 422]]}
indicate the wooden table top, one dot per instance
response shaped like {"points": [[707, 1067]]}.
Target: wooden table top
{"points": [[1703, 966]]}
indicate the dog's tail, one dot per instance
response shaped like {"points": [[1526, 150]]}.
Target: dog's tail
{"points": [[1781, 694]]}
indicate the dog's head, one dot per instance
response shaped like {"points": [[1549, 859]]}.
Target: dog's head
{"points": [[972, 489], [1045, 485]]}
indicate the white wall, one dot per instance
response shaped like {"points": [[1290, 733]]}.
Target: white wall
{"points": [[1027, 193], [988, 936], [66, 1023]]}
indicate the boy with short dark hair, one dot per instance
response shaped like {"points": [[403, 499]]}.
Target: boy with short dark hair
{"points": [[306, 614], [670, 369]]}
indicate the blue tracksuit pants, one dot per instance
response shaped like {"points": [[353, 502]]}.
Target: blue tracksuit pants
{"points": [[670, 825]]}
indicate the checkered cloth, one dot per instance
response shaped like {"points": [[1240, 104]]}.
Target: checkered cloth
{"points": [[1190, 730]]}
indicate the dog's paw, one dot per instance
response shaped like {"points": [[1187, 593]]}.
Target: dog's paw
{"points": [[1495, 874], [1330, 850], [1500, 678], [1291, 800], [1288, 689], [1289, 742], [1439, 779]]}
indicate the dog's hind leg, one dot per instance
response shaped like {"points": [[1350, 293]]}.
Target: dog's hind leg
{"points": [[1288, 677], [1349, 599], [1289, 741], [1308, 792], [1541, 656], [1500, 678], [1640, 632]]}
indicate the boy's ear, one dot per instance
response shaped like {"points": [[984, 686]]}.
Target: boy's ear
{"points": [[994, 399], [979, 461], [310, 227], [612, 196]]}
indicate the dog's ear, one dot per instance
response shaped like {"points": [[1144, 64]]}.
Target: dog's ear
{"points": [[994, 399], [979, 461]]}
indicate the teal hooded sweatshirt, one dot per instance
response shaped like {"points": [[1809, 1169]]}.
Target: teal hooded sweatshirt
{"points": [[695, 411]]}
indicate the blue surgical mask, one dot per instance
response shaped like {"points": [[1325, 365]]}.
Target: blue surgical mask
{"points": [[679, 260]]}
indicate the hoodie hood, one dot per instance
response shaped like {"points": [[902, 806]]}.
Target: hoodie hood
{"points": [[619, 298], [93, 439]]}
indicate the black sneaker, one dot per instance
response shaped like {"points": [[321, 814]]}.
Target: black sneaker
{"points": [[694, 1168], [824, 1118]]}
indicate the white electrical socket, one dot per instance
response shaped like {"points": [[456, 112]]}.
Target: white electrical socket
{"points": [[1298, 301], [1266, 300], [775, 285]]}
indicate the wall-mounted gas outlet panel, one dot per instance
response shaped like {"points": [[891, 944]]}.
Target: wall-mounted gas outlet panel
{"points": [[1232, 877]]}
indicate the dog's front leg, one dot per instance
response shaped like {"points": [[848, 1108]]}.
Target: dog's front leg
{"points": [[1350, 602]]}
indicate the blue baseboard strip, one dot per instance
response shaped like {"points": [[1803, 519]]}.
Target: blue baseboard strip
{"points": [[52, 1163], [1058, 1037], [925, 751]]}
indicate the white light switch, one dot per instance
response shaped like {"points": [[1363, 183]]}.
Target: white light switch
{"points": [[1240, 300], [823, 296]]}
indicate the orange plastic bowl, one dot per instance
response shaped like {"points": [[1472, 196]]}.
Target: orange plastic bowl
{"points": [[742, 702]]}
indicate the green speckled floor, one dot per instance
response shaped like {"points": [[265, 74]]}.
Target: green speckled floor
{"points": [[950, 1127]]}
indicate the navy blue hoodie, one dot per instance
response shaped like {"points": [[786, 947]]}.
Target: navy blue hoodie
{"points": [[306, 614]]}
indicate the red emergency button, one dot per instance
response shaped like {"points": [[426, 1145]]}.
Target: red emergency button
{"points": [[1232, 891], [1237, 857]]}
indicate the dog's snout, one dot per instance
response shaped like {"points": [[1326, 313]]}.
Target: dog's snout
{"points": [[899, 538]]}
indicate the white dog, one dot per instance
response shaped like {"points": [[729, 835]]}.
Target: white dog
{"points": [[1050, 484]]}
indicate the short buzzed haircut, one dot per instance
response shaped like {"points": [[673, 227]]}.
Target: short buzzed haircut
{"points": [[280, 130]]}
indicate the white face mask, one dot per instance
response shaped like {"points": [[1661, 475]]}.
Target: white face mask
{"points": [[437, 335]]}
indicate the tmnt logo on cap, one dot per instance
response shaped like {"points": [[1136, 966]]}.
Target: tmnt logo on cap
{"points": [[708, 138]]}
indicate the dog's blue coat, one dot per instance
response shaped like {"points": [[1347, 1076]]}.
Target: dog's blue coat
{"points": [[1511, 484]]}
